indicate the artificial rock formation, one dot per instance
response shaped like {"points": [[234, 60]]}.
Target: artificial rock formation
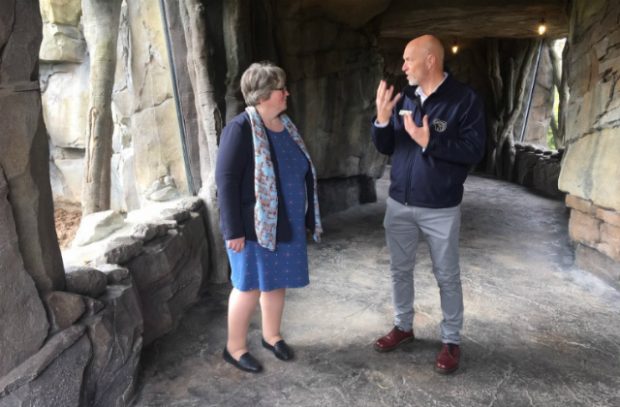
{"points": [[23, 144], [77, 342], [146, 148], [333, 61], [332, 100], [147, 144], [23, 320], [590, 170], [108, 312]]}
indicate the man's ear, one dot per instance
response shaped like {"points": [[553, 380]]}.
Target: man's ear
{"points": [[431, 60]]}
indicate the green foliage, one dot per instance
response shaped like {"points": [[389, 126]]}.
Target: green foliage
{"points": [[555, 112]]}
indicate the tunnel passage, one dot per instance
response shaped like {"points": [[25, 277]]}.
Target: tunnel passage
{"points": [[165, 130]]}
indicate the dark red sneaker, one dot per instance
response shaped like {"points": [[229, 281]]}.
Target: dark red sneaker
{"points": [[448, 358], [393, 340]]}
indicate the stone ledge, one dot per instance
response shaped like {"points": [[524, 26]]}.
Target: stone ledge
{"points": [[538, 169], [598, 264], [93, 362], [584, 228], [580, 204], [594, 226], [97, 337], [163, 249]]}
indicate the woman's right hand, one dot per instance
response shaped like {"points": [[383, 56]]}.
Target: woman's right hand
{"points": [[236, 244]]}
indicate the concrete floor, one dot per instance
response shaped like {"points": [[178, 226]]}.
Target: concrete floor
{"points": [[538, 332]]}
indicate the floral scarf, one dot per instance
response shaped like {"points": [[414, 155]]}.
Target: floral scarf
{"points": [[266, 207]]}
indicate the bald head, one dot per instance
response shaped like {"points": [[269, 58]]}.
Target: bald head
{"points": [[426, 45], [423, 62]]}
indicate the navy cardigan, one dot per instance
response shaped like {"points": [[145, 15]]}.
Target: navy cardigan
{"points": [[234, 177]]}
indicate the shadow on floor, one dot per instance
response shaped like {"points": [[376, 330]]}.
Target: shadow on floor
{"points": [[537, 331]]}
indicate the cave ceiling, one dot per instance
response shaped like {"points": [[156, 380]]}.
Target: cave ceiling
{"points": [[396, 21]]}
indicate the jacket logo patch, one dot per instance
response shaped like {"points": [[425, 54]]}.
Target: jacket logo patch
{"points": [[439, 125]]}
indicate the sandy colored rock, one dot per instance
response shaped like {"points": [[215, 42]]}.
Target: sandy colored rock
{"points": [[584, 228], [61, 11], [611, 217], [579, 204], [62, 44], [590, 169]]}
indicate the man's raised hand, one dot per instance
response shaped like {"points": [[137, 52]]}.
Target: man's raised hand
{"points": [[385, 102]]}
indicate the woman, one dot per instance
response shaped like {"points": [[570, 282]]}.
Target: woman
{"points": [[268, 198]]}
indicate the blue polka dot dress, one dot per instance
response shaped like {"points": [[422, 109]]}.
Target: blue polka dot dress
{"points": [[287, 267]]}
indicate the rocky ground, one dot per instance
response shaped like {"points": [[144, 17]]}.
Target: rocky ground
{"points": [[538, 332], [67, 220]]}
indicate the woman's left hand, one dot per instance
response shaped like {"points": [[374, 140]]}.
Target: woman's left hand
{"points": [[236, 244]]}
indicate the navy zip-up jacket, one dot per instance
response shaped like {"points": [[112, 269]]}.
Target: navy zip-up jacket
{"points": [[234, 177], [434, 178]]}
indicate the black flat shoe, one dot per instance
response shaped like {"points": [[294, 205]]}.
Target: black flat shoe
{"points": [[280, 349], [246, 362]]}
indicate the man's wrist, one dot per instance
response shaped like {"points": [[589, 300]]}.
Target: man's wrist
{"points": [[381, 125], [383, 120]]}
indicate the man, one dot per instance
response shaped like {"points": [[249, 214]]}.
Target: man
{"points": [[434, 132]]}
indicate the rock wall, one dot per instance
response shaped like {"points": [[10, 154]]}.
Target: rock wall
{"points": [[538, 168], [590, 171], [122, 292], [147, 163], [23, 317], [331, 85], [23, 145], [75, 339], [333, 71]]}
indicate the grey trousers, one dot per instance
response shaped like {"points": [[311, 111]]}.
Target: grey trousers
{"points": [[440, 228]]}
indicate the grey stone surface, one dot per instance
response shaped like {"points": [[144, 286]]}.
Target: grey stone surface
{"points": [[146, 232], [116, 336], [98, 225], [338, 194], [22, 316], [93, 306], [596, 262], [64, 94], [538, 331], [163, 189], [191, 203], [525, 161], [115, 274], [121, 250], [24, 153], [66, 179], [85, 281], [63, 309], [464, 19], [593, 109], [546, 175], [168, 275], [178, 215], [59, 384], [38, 363]]}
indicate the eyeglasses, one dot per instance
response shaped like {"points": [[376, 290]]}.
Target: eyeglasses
{"points": [[282, 89]]}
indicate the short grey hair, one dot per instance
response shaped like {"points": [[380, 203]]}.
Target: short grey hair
{"points": [[259, 80]]}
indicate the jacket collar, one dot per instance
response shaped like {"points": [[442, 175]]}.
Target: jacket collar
{"points": [[409, 90]]}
